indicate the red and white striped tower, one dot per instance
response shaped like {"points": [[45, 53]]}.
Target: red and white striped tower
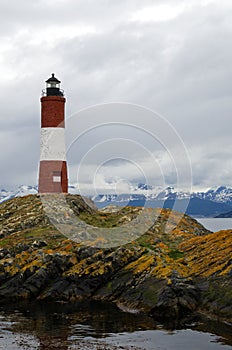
{"points": [[53, 167]]}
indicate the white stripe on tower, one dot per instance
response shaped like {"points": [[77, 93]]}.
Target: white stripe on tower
{"points": [[52, 144]]}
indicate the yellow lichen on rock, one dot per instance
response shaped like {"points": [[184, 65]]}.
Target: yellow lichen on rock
{"points": [[144, 263], [210, 254], [85, 269], [166, 265]]}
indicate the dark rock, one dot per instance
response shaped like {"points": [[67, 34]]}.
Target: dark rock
{"points": [[21, 247], [4, 252], [176, 300], [39, 244]]}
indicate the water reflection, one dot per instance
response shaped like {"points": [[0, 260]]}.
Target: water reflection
{"points": [[55, 323], [69, 326]]}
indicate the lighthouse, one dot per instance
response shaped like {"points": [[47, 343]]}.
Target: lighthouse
{"points": [[53, 166]]}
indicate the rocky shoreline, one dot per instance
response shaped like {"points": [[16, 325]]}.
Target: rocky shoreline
{"points": [[168, 275]]}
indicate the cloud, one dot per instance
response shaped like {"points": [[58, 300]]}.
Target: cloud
{"points": [[215, 163], [122, 177], [169, 56], [159, 13]]}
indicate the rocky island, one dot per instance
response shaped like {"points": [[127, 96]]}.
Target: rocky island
{"points": [[166, 273]]}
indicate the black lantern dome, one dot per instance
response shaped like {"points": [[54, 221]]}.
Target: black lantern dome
{"points": [[53, 86]]}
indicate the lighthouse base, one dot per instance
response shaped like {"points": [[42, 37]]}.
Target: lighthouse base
{"points": [[53, 176]]}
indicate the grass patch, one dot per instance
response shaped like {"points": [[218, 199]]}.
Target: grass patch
{"points": [[147, 245], [4, 242], [107, 220], [175, 254], [28, 236]]}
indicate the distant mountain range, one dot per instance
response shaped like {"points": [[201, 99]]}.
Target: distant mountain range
{"points": [[19, 192], [213, 202], [210, 203], [225, 215]]}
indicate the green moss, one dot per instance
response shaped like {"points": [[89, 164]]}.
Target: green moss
{"points": [[48, 234], [4, 242], [150, 295], [109, 286], [175, 254], [147, 245], [101, 219], [219, 291]]}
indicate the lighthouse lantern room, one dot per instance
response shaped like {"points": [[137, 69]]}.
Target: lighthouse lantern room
{"points": [[53, 86], [53, 166]]}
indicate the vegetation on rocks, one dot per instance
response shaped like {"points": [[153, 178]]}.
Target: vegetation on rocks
{"points": [[174, 268]]}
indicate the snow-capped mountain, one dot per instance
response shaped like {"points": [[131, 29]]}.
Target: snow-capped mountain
{"points": [[221, 194], [211, 202], [19, 192]]}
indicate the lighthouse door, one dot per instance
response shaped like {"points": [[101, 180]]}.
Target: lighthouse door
{"points": [[57, 181]]}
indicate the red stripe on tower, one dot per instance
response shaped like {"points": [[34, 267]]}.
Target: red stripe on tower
{"points": [[53, 167]]}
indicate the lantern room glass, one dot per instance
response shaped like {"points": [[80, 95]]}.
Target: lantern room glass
{"points": [[53, 84]]}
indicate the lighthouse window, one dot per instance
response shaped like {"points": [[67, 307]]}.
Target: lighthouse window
{"points": [[53, 85], [56, 176]]}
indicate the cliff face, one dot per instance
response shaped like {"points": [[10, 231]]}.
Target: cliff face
{"points": [[175, 268]]}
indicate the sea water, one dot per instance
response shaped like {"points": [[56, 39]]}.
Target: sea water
{"points": [[96, 326], [216, 224]]}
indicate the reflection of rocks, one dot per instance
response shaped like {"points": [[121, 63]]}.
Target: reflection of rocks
{"points": [[63, 325], [173, 269]]}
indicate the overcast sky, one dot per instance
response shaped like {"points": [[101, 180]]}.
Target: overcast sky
{"points": [[173, 57]]}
